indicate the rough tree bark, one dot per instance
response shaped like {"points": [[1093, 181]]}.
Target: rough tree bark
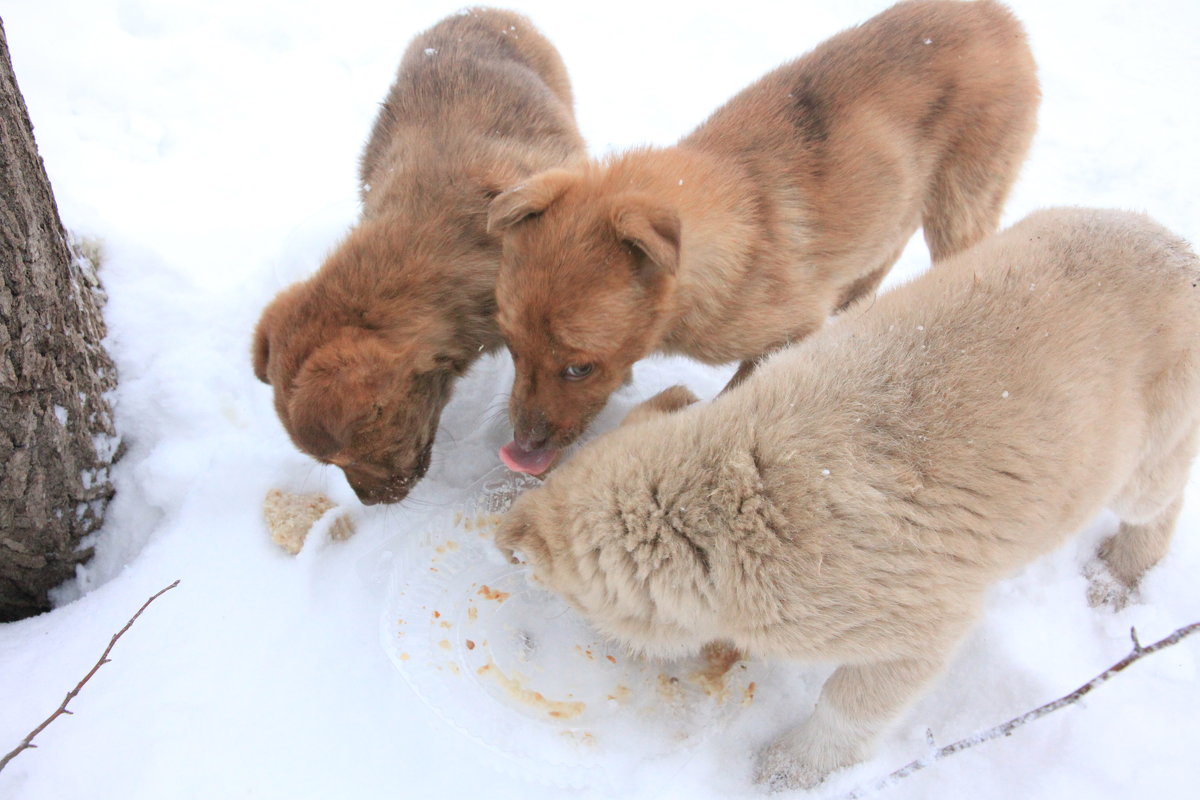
{"points": [[57, 439]]}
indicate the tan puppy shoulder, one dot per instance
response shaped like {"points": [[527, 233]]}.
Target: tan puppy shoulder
{"points": [[790, 201], [363, 356], [853, 499]]}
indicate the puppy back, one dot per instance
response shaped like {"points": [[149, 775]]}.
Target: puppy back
{"points": [[480, 72]]}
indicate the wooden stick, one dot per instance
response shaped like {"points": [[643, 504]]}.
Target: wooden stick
{"points": [[27, 743], [1007, 728]]}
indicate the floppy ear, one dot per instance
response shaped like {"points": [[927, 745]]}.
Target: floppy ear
{"points": [[531, 197], [260, 350], [341, 385], [652, 229]]}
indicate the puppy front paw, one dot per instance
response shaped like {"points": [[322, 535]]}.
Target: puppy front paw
{"points": [[519, 539], [806, 755], [673, 398], [780, 768], [1106, 589], [508, 542], [668, 401]]}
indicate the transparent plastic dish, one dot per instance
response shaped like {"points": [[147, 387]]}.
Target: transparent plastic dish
{"points": [[517, 670]]}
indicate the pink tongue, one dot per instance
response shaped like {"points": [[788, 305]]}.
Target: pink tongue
{"points": [[535, 462]]}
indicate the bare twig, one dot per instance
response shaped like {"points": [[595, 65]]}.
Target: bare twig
{"points": [[27, 743], [1007, 728]]}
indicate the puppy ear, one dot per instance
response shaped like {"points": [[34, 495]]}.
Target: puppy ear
{"points": [[652, 229], [532, 197], [260, 350], [273, 329], [342, 385]]}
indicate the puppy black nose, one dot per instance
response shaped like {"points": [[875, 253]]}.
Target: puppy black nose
{"points": [[530, 443], [367, 499], [533, 432]]}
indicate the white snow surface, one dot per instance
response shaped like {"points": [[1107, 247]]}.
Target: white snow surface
{"points": [[212, 147]]}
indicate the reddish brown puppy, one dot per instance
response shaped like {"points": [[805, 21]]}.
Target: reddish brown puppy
{"points": [[363, 355], [792, 200]]}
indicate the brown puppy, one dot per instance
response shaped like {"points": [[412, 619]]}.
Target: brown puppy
{"points": [[364, 354], [853, 499], [792, 200]]}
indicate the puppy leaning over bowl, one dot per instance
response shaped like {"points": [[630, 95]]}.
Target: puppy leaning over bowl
{"points": [[790, 201], [853, 499], [363, 355]]}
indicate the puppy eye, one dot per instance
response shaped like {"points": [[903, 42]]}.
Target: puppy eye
{"points": [[577, 372]]}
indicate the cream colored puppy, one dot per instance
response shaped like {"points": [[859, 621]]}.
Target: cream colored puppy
{"points": [[855, 497]]}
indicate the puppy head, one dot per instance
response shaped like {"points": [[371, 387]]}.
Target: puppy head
{"points": [[585, 289], [353, 394]]}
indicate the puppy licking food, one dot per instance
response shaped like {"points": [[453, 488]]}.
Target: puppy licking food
{"points": [[792, 200]]}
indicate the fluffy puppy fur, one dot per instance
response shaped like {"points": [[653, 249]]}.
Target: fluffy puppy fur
{"points": [[853, 499], [792, 200], [363, 355]]}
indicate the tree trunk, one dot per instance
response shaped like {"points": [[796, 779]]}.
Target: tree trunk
{"points": [[57, 439]]}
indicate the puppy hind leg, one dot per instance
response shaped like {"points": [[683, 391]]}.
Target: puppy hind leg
{"points": [[856, 704], [1148, 508], [972, 182], [960, 215]]}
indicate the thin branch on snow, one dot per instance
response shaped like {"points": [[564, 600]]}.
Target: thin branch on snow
{"points": [[1007, 728], [27, 743]]}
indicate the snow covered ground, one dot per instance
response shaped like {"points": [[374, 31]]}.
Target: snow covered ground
{"points": [[212, 146]]}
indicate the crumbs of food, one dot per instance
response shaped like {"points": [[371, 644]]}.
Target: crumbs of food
{"points": [[558, 709], [610, 658], [488, 593], [290, 516], [580, 737], [484, 523], [718, 658], [445, 644], [472, 613], [621, 694], [748, 694], [470, 644]]}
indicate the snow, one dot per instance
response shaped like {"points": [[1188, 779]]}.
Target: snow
{"points": [[212, 148]]}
